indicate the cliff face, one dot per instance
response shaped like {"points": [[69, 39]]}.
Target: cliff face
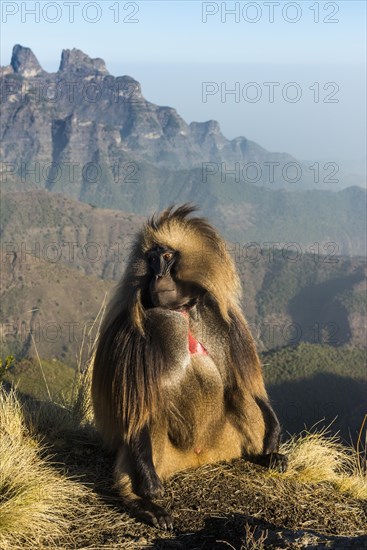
{"points": [[24, 62], [81, 114]]}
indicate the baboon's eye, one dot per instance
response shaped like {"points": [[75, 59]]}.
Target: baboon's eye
{"points": [[168, 256]]}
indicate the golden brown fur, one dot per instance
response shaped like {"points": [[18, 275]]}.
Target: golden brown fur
{"points": [[159, 406]]}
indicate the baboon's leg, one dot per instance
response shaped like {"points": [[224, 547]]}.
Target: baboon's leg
{"points": [[270, 457], [141, 507]]}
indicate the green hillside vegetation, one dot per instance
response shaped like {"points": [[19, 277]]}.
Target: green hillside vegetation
{"points": [[42, 380], [287, 279], [318, 385], [354, 301], [322, 300], [307, 360]]}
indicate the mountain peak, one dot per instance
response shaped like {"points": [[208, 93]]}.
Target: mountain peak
{"points": [[77, 61], [24, 62]]}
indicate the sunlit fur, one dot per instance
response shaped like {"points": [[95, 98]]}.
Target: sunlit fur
{"points": [[137, 377]]}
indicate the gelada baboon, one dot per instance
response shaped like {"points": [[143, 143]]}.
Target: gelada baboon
{"points": [[177, 381]]}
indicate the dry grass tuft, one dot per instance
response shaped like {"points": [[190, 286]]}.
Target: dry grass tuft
{"points": [[35, 501], [81, 399], [39, 505], [318, 458]]}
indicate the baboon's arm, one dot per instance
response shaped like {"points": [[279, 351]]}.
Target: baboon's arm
{"points": [[148, 484]]}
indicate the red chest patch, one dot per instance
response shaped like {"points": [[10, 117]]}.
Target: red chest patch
{"points": [[195, 346]]}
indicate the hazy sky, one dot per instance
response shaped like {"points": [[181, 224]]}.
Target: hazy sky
{"points": [[296, 69]]}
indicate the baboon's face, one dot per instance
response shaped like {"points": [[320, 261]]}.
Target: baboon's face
{"points": [[165, 289]]}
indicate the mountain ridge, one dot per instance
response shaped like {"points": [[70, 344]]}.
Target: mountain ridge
{"points": [[82, 114]]}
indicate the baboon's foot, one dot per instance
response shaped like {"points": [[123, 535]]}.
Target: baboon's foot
{"points": [[154, 514]]}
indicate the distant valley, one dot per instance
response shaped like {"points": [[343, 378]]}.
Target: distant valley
{"points": [[61, 257]]}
